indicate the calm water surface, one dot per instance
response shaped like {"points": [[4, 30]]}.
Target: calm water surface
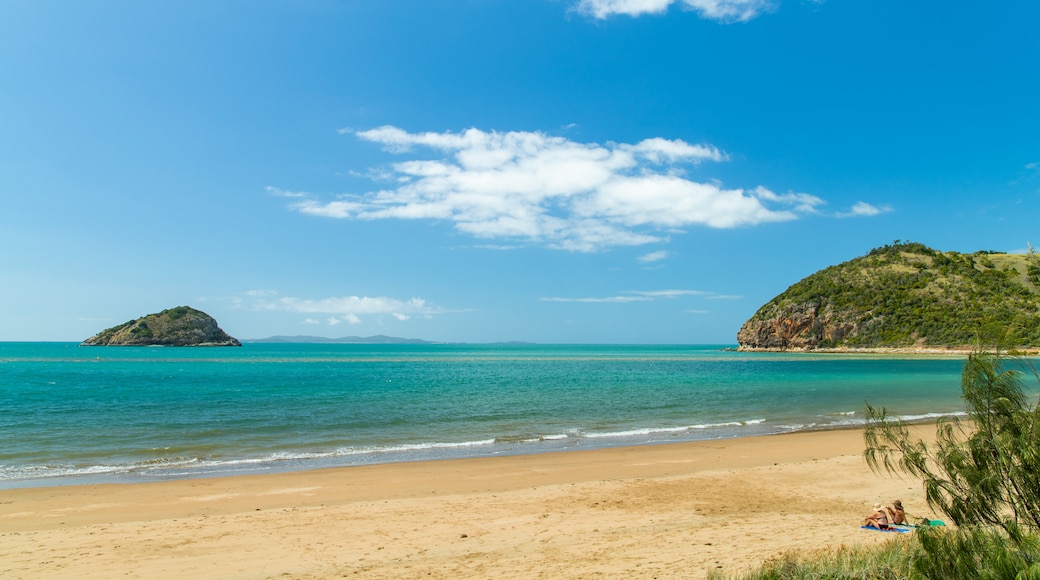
{"points": [[72, 414]]}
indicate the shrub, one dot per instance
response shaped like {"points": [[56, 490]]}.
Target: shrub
{"points": [[983, 474]]}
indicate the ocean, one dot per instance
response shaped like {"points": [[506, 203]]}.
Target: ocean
{"points": [[71, 414]]}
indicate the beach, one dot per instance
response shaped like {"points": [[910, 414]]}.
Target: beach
{"points": [[673, 510]]}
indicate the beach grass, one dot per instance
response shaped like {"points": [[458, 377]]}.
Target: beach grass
{"points": [[891, 560], [974, 553]]}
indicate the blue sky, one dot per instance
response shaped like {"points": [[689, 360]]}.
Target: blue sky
{"points": [[559, 171]]}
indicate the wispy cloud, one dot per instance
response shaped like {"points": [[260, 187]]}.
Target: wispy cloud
{"points": [[1030, 172], [863, 209], [261, 293], [594, 300], [343, 309], [653, 257], [720, 10], [537, 188], [283, 193], [669, 293], [633, 296]]}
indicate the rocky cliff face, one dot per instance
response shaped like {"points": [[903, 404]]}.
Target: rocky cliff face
{"points": [[804, 326], [181, 326]]}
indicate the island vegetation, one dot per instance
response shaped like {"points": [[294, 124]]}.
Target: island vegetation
{"points": [[180, 326], [903, 296]]}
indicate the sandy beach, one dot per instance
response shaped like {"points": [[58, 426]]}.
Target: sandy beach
{"points": [[662, 511]]}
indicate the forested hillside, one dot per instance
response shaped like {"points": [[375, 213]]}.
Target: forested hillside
{"points": [[904, 295]]}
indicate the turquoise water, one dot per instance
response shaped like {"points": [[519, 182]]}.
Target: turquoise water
{"points": [[73, 414]]}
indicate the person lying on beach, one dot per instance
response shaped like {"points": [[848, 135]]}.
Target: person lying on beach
{"points": [[896, 515], [878, 519]]}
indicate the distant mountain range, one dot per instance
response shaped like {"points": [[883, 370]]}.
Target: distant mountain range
{"points": [[378, 339]]}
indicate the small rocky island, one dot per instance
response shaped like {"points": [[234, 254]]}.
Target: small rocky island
{"points": [[180, 326], [904, 297]]}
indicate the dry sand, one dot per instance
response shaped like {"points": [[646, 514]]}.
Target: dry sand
{"points": [[663, 511]]}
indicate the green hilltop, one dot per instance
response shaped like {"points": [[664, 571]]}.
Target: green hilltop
{"points": [[904, 295]]}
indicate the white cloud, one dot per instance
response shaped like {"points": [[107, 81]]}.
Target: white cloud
{"points": [[633, 296], [653, 257], [606, 8], [609, 299], [537, 188], [669, 293], [347, 308], [658, 150], [260, 293], [731, 10], [283, 193], [863, 209], [311, 321], [721, 10], [1030, 172]]}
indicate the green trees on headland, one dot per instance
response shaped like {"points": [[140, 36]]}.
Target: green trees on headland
{"points": [[904, 295]]}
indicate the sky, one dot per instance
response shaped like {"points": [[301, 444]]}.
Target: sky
{"points": [[551, 171]]}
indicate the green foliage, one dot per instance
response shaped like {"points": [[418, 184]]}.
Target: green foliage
{"points": [[985, 472], [891, 560], [907, 294], [1033, 267], [975, 554], [180, 326], [141, 330], [984, 475], [899, 247], [174, 314], [930, 554]]}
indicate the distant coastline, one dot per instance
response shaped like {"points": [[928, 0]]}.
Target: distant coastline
{"points": [[377, 339], [302, 339]]}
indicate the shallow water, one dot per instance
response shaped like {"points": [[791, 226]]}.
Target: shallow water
{"points": [[75, 414]]}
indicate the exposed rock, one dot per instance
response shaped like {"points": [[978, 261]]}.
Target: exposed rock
{"points": [[181, 326], [804, 326]]}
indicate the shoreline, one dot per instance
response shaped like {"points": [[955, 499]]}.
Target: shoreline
{"points": [[666, 510], [257, 467], [953, 351]]}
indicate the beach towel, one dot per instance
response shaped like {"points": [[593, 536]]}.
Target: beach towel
{"points": [[896, 529], [904, 528]]}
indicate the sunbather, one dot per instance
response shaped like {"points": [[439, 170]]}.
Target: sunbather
{"points": [[878, 519], [896, 515]]}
